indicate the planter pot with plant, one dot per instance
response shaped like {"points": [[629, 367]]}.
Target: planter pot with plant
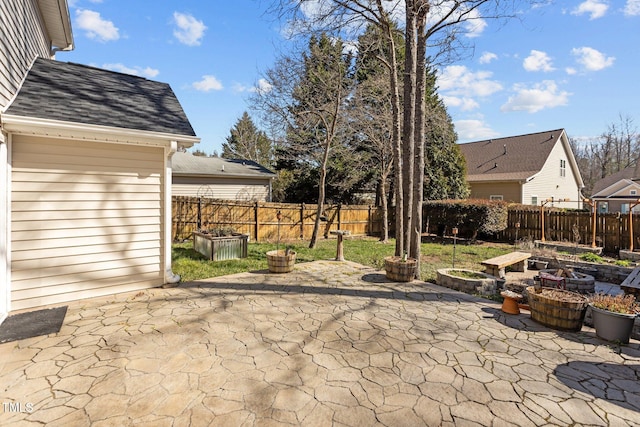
{"points": [[280, 261], [614, 316], [400, 269]]}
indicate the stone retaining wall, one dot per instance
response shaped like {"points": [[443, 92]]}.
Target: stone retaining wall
{"points": [[602, 272]]}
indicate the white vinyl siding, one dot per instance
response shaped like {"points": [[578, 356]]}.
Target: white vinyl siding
{"points": [[222, 188], [86, 219], [23, 39], [546, 184]]}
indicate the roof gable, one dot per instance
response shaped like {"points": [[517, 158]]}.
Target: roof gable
{"points": [[607, 184], [77, 93], [188, 164], [514, 158]]}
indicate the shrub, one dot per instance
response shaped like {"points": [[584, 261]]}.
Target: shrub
{"points": [[623, 263], [591, 257], [472, 217]]}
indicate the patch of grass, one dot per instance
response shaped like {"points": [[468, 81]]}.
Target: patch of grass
{"points": [[591, 257], [191, 265]]}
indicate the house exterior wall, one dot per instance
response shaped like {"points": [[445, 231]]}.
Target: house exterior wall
{"points": [[510, 191], [23, 39], [231, 188], [86, 219], [551, 183]]}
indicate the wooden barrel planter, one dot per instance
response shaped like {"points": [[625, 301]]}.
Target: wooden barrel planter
{"points": [[400, 271], [281, 261], [557, 308]]}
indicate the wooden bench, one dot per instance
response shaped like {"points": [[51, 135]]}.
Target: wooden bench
{"points": [[631, 284], [495, 266]]}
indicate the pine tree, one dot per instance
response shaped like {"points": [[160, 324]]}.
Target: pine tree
{"points": [[247, 142]]}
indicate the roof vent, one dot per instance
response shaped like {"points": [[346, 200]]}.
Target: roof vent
{"points": [[495, 165], [222, 168], [505, 148]]}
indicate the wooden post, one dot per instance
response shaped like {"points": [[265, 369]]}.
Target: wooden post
{"points": [[301, 221], [199, 220], [631, 206], [339, 219], [256, 229], [369, 223]]}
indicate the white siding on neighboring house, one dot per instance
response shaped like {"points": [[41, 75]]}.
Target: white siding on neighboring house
{"points": [[22, 38], [553, 180], [86, 219], [244, 189]]}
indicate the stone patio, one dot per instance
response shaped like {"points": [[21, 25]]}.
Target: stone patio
{"points": [[330, 343]]}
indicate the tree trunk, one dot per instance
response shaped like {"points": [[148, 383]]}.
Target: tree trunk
{"points": [[396, 142], [321, 194], [419, 135], [384, 237], [408, 131]]}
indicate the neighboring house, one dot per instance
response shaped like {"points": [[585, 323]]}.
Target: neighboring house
{"points": [[85, 169], [527, 169], [617, 192], [218, 178]]}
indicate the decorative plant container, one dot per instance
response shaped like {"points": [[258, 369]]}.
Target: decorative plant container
{"points": [[611, 326], [399, 270], [468, 281], [614, 316], [281, 261], [575, 281], [221, 248], [557, 308]]}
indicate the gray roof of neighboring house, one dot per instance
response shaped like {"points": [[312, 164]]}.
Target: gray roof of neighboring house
{"points": [[631, 173], [513, 158], [77, 93], [188, 164]]}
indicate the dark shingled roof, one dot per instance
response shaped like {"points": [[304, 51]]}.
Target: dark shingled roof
{"points": [[81, 94], [514, 158], [188, 164], [631, 173]]}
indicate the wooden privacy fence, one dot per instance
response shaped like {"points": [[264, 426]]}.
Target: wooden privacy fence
{"points": [[612, 229], [259, 219]]}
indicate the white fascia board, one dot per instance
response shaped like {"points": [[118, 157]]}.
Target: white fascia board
{"points": [[572, 159], [614, 188], [79, 131]]}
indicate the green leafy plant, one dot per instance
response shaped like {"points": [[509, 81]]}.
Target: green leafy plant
{"points": [[623, 263], [625, 304], [591, 257]]}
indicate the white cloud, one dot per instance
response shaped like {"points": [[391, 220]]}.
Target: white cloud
{"points": [[190, 30], [632, 8], [474, 24], [459, 80], [487, 57], [96, 27], [591, 59], [136, 71], [595, 8], [464, 104], [571, 71], [262, 87], [540, 96], [473, 130], [537, 61], [207, 84]]}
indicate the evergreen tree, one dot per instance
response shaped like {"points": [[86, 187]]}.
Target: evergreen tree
{"points": [[247, 142], [445, 166]]}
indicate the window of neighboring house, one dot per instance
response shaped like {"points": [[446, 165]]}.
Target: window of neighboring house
{"points": [[624, 208], [534, 200], [496, 197], [604, 207], [633, 192], [563, 168]]}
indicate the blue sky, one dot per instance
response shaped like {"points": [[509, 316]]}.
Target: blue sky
{"points": [[566, 64]]}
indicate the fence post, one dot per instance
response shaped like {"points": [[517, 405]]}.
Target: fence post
{"points": [[339, 216], [256, 230], [369, 222], [301, 221], [199, 220]]}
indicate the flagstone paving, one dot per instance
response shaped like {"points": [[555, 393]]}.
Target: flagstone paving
{"points": [[332, 343]]}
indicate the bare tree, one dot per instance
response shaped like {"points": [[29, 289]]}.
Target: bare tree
{"points": [[428, 24], [307, 93]]}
